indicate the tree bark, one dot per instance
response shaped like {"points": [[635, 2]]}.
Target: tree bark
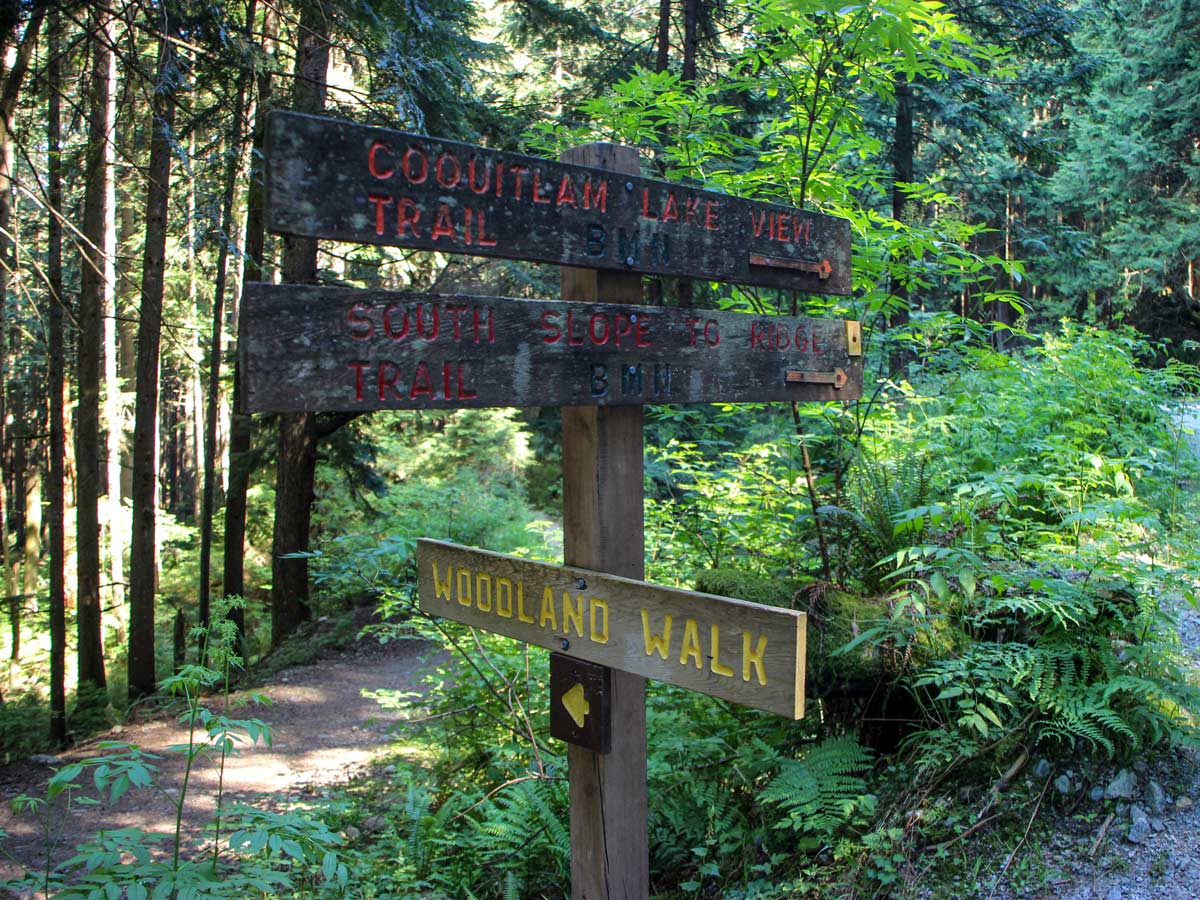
{"points": [[297, 456], [55, 383], [663, 54], [241, 426], [225, 231], [10, 90], [112, 421], [142, 584], [903, 150], [93, 283], [691, 38]]}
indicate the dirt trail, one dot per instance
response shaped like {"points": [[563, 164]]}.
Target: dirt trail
{"points": [[323, 732]]}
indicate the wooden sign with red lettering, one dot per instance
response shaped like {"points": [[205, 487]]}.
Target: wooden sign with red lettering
{"points": [[746, 653], [333, 179], [308, 348]]}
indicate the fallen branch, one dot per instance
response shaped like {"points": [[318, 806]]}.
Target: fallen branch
{"points": [[1100, 835], [1028, 827]]}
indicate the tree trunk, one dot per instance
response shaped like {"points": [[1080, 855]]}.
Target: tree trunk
{"points": [[225, 231], [691, 38], [143, 570], [10, 90], [902, 172], [241, 426], [55, 383], [129, 241], [191, 404], [94, 281], [112, 422], [297, 456], [663, 54]]}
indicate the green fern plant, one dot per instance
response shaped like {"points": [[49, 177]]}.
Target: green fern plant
{"points": [[822, 791], [890, 510]]}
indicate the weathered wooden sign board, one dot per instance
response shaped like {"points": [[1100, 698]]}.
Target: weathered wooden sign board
{"points": [[333, 179], [308, 348], [324, 349], [746, 653]]}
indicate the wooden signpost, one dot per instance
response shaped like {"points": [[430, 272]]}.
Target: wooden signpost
{"points": [[332, 179], [308, 348], [746, 653], [599, 355]]}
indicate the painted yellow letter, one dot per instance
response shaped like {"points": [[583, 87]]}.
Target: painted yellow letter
{"points": [[691, 644], [464, 596], [548, 614], [504, 592], [482, 579], [521, 614], [653, 641], [716, 666], [753, 657], [441, 589], [599, 635], [572, 615]]}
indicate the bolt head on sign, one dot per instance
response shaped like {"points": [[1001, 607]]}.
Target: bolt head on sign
{"points": [[342, 181], [579, 708]]}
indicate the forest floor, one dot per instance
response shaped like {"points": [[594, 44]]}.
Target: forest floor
{"points": [[1125, 860], [323, 729]]}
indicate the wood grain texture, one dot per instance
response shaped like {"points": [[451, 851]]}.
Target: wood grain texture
{"points": [[338, 180], [603, 529], [309, 348], [746, 653]]}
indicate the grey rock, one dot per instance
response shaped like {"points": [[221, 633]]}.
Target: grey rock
{"points": [[1157, 824], [45, 759], [1156, 798], [1122, 786], [1114, 893], [1136, 812], [1139, 766], [1096, 794], [1139, 831], [1122, 809], [1184, 803], [1062, 784], [1042, 770]]}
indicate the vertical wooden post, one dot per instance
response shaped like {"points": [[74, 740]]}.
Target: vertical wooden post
{"points": [[603, 531]]}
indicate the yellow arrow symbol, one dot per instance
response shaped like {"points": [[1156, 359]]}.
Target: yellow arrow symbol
{"points": [[576, 705]]}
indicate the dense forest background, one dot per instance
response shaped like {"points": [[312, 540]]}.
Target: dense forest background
{"points": [[986, 543]]}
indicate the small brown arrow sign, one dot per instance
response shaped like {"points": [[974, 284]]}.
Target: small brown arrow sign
{"points": [[580, 712], [821, 268], [837, 378]]}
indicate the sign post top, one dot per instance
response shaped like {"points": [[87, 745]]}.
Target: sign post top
{"points": [[333, 179]]}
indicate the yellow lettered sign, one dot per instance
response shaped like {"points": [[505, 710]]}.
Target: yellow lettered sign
{"points": [[746, 653]]}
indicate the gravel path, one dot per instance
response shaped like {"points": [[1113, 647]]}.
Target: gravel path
{"points": [[323, 731], [1158, 860]]}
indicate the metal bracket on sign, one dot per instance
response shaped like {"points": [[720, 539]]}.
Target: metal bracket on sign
{"points": [[853, 338], [837, 378]]}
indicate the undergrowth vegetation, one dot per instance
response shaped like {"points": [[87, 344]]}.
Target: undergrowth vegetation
{"points": [[991, 557], [990, 553]]}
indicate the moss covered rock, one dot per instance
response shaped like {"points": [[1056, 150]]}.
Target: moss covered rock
{"points": [[835, 618]]}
